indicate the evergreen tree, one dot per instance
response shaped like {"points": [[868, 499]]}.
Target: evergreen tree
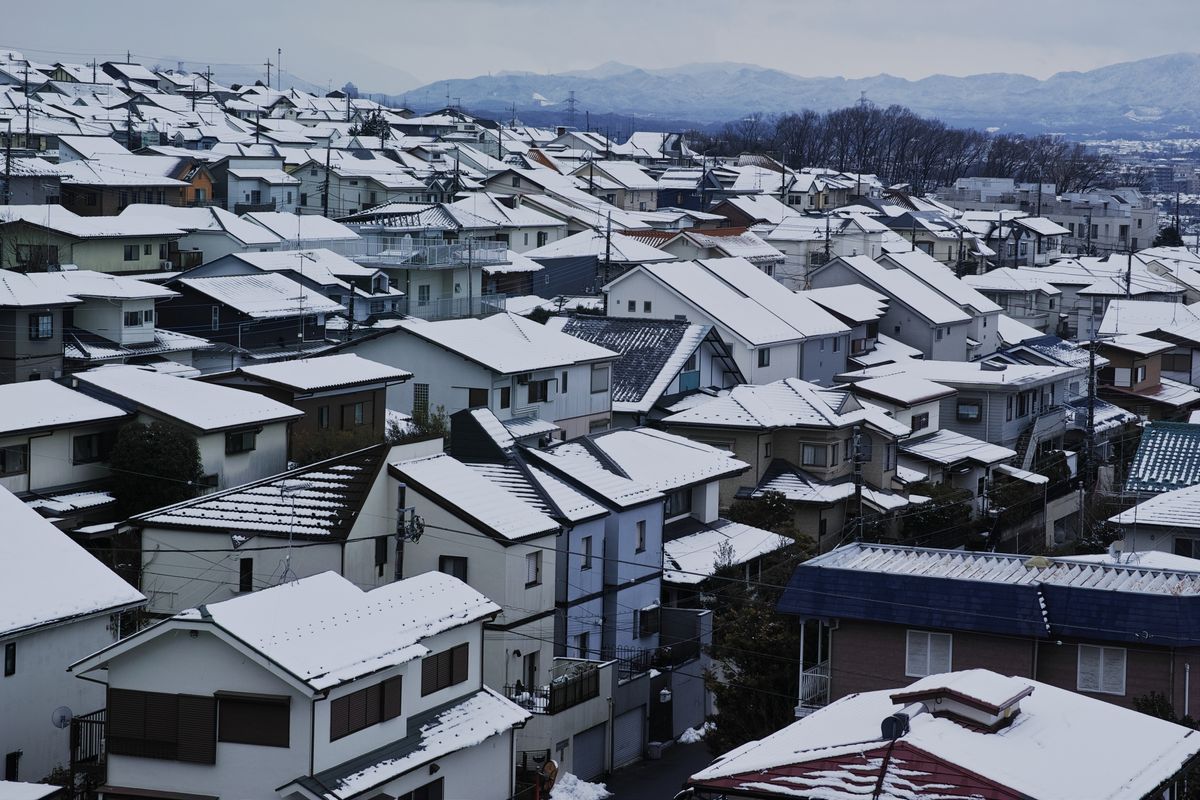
{"points": [[153, 466], [1168, 237]]}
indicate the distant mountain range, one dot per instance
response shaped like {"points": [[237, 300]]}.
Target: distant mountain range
{"points": [[1150, 97]]}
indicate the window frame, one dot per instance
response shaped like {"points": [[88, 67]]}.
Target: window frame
{"points": [[280, 736], [923, 418], [41, 326], [968, 403], [1101, 652], [764, 355], [22, 453], [236, 441], [602, 372], [533, 567], [929, 635], [447, 564]]}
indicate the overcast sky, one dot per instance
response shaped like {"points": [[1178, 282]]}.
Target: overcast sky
{"points": [[393, 45]]}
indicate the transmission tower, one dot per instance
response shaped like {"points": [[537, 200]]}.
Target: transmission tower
{"points": [[571, 103]]}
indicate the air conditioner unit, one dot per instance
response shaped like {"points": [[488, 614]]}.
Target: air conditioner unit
{"points": [[166, 265]]}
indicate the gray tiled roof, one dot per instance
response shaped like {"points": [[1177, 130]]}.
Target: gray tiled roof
{"points": [[1168, 457]]}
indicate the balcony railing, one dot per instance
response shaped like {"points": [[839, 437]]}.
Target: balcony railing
{"points": [[246, 208], [632, 661], [434, 308], [814, 686], [409, 252], [88, 758], [577, 685]]}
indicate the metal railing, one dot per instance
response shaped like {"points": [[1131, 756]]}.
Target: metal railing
{"points": [[246, 208], [814, 685], [393, 250], [566, 691], [632, 661], [435, 308], [88, 758]]}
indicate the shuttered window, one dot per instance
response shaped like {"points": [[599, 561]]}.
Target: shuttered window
{"points": [[927, 654], [430, 791], [444, 669], [364, 708], [245, 719], [1101, 669], [156, 725]]}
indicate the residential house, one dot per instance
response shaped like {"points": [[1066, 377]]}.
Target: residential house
{"points": [[584, 262], [39, 238], [703, 243], [749, 210], [957, 734], [31, 181], [34, 313], [1087, 627], [803, 441], [1133, 380], [242, 436], [209, 233], [860, 309], [339, 395], [519, 369], [1018, 238], [809, 241], [772, 332], [917, 315], [659, 359], [1024, 295], [624, 184], [60, 604], [97, 188], [312, 689], [1090, 285]]}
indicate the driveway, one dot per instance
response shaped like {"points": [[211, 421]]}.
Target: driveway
{"points": [[661, 779]]}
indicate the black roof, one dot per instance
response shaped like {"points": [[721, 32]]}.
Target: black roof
{"points": [[644, 344]]}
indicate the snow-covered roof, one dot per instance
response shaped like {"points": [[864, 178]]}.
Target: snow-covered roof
{"points": [[326, 372], [267, 296], [977, 373], [326, 631], [903, 287], [38, 405], [45, 578], [590, 470], [617, 247], [18, 290], [507, 343], [273, 177], [57, 218], [85, 283], [691, 558], [1013, 332], [947, 447], [205, 219], [1168, 457], [942, 280], [485, 503], [1148, 559], [1008, 279], [905, 390], [1137, 344], [302, 227], [205, 406], [1140, 316], [18, 790], [853, 301], [664, 461], [836, 753]]}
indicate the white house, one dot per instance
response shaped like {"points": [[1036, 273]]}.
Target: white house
{"points": [[210, 232], [772, 332], [242, 435], [57, 604], [313, 689]]}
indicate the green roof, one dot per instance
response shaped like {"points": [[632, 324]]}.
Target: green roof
{"points": [[1168, 457]]}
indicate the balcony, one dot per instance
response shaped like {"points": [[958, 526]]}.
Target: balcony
{"points": [[435, 308], [407, 252], [246, 208], [88, 763], [814, 687], [571, 683]]}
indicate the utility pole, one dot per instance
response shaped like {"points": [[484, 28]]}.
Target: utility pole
{"points": [[207, 79], [278, 68], [607, 256], [858, 478], [268, 65], [7, 168], [325, 188], [26, 106]]}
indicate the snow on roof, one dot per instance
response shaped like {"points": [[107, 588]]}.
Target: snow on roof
{"points": [[516, 262], [508, 344], [1137, 344], [101, 173], [853, 301], [836, 752], [1140, 316], [618, 247], [486, 503], [46, 578], [902, 286], [1168, 457], [18, 290], [205, 406], [34, 405], [1013, 332], [85, 283], [207, 219], [522, 427], [903, 389], [266, 296], [762, 207], [746, 244], [690, 558], [1148, 559], [967, 372], [466, 723], [946, 447], [326, 372], [326, 631], [942, 279], [57, 218], [319, 264], [1042, 226], [274, 177], [1168, 392], [16, 790], [590, 470], [664, 461], [787, 403], [305, 227], [1008, 279]]}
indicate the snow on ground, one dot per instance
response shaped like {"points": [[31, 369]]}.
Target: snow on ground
{"points": [[693, 735], [568, 787]]}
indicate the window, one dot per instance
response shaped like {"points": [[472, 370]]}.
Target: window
{"points": [[533, 569], [639, 543], [583, 644], [539, 391], [516, 182], [889, 456], [542, 238], [91, 447], [477, 398], [814, 455], [41, 326], [1139, 373], [649, 621], [246, 575], [430, 791], [423, 295], [354, 415], [599, 378], [133, 319], [156, 725], [837, 344], [632, 306], [216, 317], [131, 252], [12, 765], [1177, 362], [562, 386], [969, 410], [587, 553], [764, 355], [1101, 669], [147, 249], [421, 400], [381, 555], [505, 396], [366, 707], [240, 441], [304, 198], [10, 659], [927, 654], [938, 334], [444, 669], [766, 450], [678, 503], [323, 417], [646, 306], [14, 460], [453, 565], [530, 668], [919, 422], [253, 719]]}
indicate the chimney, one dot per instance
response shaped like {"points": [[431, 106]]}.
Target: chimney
{"points": [[976, 698]]}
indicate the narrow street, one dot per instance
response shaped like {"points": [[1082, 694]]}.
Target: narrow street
{"points": [[661, 779]]}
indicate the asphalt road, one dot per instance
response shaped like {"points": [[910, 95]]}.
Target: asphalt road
{"points": [[661, 779]]}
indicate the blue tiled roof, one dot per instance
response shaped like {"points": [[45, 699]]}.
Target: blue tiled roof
{"points": [[1168, 457]]}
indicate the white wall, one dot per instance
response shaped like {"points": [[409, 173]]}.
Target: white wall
{"points": [[51, 460], [42, 684], [269, 456]]}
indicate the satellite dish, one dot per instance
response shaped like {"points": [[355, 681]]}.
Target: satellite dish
{"points": [[61, 717]]}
